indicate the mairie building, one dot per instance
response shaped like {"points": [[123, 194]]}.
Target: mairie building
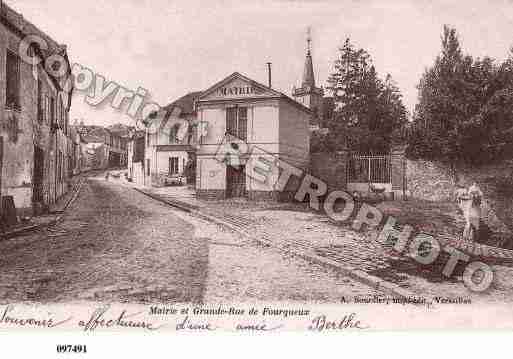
{"points": [[256, 121], [270, 126]]}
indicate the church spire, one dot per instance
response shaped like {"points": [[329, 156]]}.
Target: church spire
{"points": [[308, 74], [308, 94]]}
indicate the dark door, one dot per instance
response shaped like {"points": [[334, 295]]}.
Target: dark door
{"points": [[235, 182], [1, 169], [39, 169]]}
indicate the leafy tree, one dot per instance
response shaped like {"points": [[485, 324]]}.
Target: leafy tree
{"points": [[465, 107], [368, 111]]}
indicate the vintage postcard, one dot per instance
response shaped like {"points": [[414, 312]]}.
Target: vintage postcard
{"points": [[255, 166]]}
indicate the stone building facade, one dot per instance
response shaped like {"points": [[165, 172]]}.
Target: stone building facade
{"points": [[34, 115]]}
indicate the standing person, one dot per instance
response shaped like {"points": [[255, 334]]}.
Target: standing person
{"points": [[473, 213], [460, 193], [475, 193]]}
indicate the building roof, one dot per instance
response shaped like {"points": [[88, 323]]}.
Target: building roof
{"points": [[185, 103], [23, 27], [273, 92], [120, 130], [92, 134]]}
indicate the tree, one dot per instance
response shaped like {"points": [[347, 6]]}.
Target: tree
{"points": [[464, 108], [368, 111]]}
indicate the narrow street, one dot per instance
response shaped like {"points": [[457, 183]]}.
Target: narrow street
{"points": [[115, 244]]}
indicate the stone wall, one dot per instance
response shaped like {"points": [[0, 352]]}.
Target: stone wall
{"points": [[434, 181], [430, 181], [331, 168]]}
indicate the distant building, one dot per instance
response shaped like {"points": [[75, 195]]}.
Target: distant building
{"points": [[309, 94], [118, 146], [170, 141], [109, 147], [136, 150]]}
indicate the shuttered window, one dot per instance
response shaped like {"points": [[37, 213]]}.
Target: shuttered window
{"points": [[12, 100], [40, 102], [173, 134], [231, 121], [242, 127], [173, 165], [47, 111], [237, 122], [52, 110]]}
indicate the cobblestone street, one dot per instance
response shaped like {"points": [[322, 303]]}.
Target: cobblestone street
{"points": [[115, 244], [293, 227]]}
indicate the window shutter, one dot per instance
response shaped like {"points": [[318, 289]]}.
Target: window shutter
{"points": [[47, 110], [243, 123], [12, 81], [52, 110], [40, 107], [231, 121]]}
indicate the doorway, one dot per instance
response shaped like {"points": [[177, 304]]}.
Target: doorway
{"points": [[39, 170], [236, 181]]}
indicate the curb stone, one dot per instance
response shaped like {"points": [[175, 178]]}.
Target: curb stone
{"points": [[53, 222], [353, 273]]}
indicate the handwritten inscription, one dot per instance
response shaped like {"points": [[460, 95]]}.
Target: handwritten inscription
{"points": [[321, 323], [260, 327], [98, 320], [11, 319], [194, 319], [188, 324]]}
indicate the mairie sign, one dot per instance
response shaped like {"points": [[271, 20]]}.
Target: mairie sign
{"points": [[236, 91]]}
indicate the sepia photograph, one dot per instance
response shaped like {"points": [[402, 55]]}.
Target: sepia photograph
{"points": [[255, 166]]}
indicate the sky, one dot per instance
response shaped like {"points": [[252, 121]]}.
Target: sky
{"points": [[171, 48]]}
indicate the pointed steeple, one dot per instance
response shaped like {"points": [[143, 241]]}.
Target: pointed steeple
{"points": [[308, 73], [308, 94]]}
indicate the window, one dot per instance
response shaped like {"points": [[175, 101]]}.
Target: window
{"points": [[148, 172], [58, 112], [40, 102], [242, 128], [173, 165], [237, 122], [173, 134], [138, 150], [12, 91], [59, 166], [52, 110], [61, 114], [47, 110]]}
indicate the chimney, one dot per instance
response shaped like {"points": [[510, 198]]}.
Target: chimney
{"points": [[269, 72]]}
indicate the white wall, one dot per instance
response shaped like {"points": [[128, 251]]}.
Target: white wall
{"points": [[216, 119], [294, 135], [210, 174]]}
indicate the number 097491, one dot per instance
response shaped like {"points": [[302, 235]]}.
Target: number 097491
{"points": [[71, 349]]}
